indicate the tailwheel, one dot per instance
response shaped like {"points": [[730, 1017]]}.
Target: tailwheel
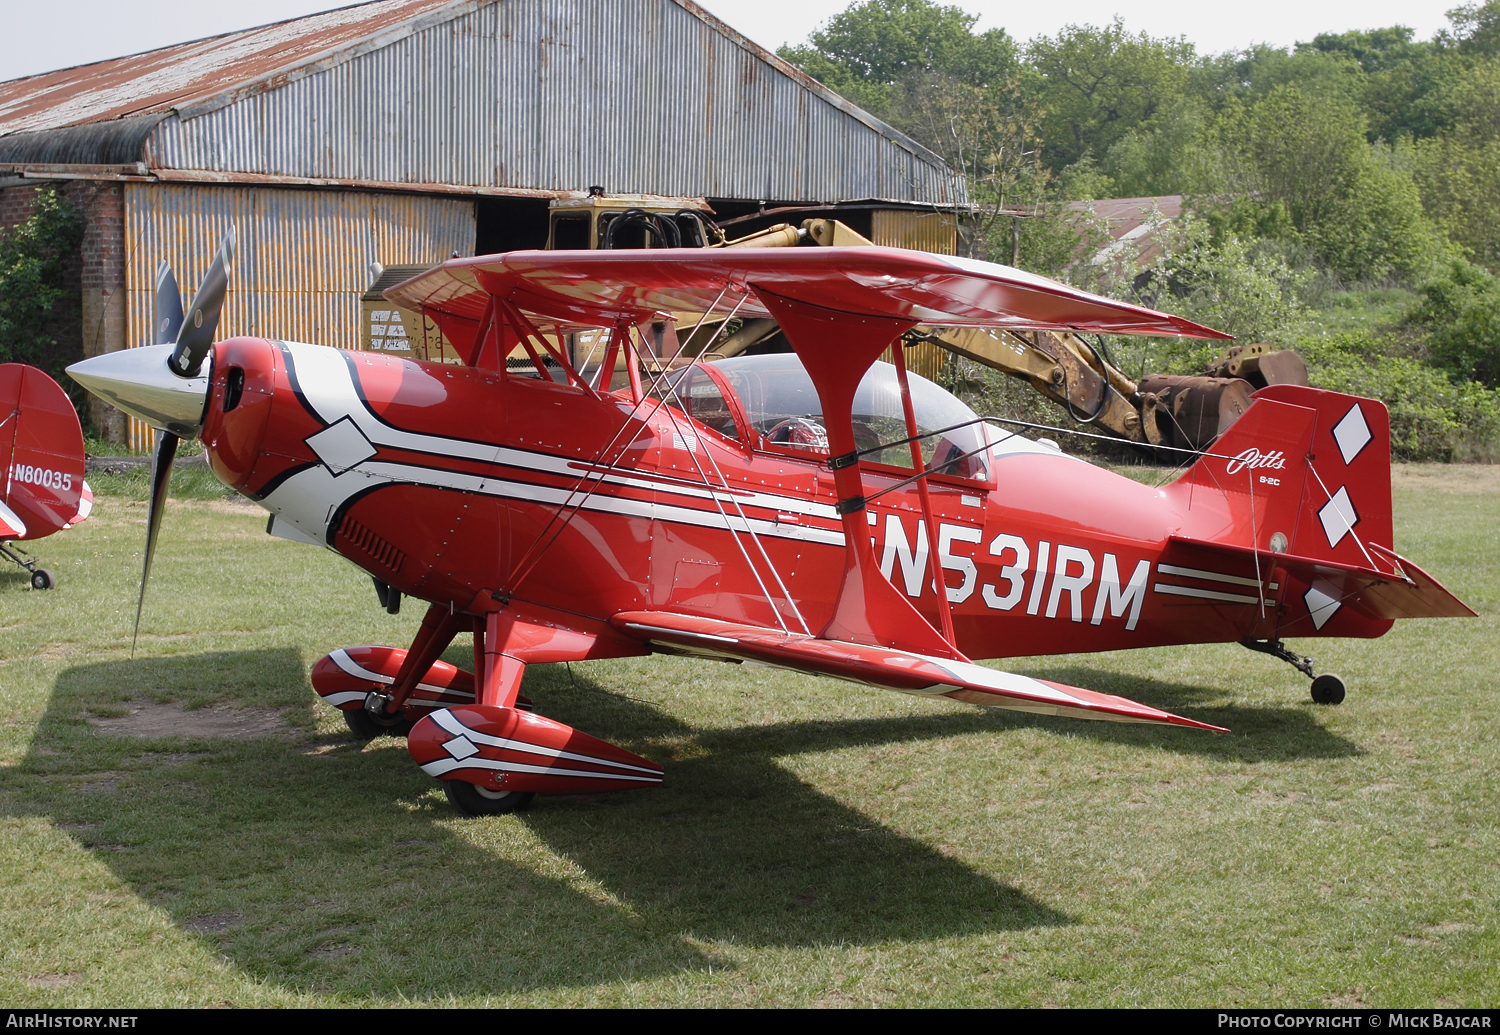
{"points": [[43, 579], [1328, 689], [472, 800]]}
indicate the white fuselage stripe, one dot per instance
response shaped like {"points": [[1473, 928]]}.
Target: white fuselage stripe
{"points": [[323, 376]]}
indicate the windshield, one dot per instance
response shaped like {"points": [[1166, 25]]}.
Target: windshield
{"points": [[782, 405]]}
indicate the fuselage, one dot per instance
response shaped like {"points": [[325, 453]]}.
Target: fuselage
{"points": [[464, 486]]}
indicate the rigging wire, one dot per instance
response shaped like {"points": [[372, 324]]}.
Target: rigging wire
{"points": [[534, 552], [754, 537]]}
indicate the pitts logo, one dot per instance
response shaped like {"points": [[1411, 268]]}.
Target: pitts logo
{"points": [[1252, 458]]}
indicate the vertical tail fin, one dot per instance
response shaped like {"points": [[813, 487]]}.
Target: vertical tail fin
{"points": [[1296, 498], [1305, 472]]}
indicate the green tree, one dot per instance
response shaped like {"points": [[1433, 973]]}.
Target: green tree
{"points": [[1357, 206], [33, 255], [1476, 28], [987, 133], [874, 50], [1459, 172], [1095, 85], [921, 67], [1403, 86], [1162, 155], [1249, 75]]}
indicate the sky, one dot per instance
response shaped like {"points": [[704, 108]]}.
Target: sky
{"points": [[61, 33]]}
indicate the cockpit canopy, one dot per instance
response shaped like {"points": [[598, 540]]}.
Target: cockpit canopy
{"points": [[781, 406]]}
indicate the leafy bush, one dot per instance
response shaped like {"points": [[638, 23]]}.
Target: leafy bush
{"points": [[1230, 284], [1460, 311], [1432, 418]]}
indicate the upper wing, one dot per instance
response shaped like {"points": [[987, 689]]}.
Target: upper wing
{"points": [[885, 667], [604, 287]]}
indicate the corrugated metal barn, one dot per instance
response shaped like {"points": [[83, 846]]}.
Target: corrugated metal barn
{"points": [[403, 131]]}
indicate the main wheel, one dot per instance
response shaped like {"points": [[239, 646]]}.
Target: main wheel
{"points": [[1327, 689], [480, 801], [43, 579], [363, 725]]}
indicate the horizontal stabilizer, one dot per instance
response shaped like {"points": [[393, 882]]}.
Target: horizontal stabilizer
{"points": [[1418, 594], [884, 667], [1406, 591]]}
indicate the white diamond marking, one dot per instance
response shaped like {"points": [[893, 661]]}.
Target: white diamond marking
{"points": [[1338, 517], [1352, 434], [1320, 605], [462, 747], [341, 445]]}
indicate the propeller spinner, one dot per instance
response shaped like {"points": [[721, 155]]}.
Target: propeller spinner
{"points": [[164, 384]]}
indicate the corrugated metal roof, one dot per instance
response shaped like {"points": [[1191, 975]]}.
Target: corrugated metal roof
{"points": [[654, 96], [211, 72]]}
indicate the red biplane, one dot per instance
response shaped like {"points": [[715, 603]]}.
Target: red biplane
{"points": [[43, 491], [819, 510]]}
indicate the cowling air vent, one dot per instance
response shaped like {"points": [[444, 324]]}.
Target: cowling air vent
{"points": [[370, 544]]}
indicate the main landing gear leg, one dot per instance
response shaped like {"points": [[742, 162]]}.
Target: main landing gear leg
{"points": [[497, 683], [1326, 689], [383, 707]]}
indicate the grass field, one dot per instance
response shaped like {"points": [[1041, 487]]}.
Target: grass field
{"points": [[815, 843]]}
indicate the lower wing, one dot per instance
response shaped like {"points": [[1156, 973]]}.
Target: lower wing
{"points": [[884, 667]]}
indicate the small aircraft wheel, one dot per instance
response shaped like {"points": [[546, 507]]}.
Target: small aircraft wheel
{"points": [[43, 579], [365, 726], [1327, 689], [481, 801]]}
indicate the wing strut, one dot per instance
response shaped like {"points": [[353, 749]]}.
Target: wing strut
{"points": [[836, 349], [934, 560]]}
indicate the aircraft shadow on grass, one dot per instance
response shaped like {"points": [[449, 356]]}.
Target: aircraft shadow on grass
{"points": [[316, 862], [1275, 731]]}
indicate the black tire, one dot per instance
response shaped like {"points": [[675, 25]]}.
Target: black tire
{"points": [[363, 725], [43, 579], [1327, 689], [478, 801]]}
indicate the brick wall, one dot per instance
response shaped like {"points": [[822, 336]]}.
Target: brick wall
{"points": [[102, 283]]}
